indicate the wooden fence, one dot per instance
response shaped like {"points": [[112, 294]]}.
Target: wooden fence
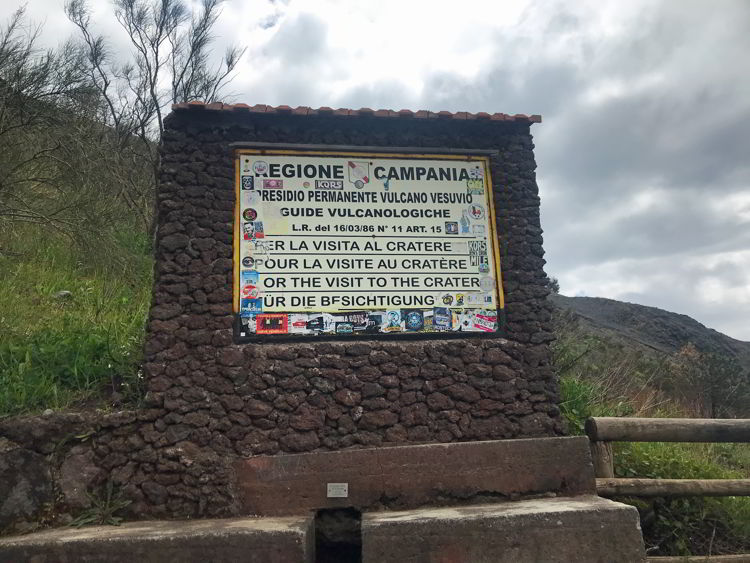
{"points": [[602, 431]]}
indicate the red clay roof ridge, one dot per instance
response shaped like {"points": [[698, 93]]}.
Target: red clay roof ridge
{"points": [[362, 112]]}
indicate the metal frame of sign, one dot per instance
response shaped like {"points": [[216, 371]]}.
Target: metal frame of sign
{"points": [[412, 153]]}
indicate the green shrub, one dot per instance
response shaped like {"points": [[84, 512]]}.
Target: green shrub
{"points": [[690, 525]]}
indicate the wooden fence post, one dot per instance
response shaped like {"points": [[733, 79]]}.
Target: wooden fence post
{"points": [[601, 455]]}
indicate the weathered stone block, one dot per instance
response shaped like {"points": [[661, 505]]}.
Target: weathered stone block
{"points": [[584, 529], [411, 476], [264, 540]]}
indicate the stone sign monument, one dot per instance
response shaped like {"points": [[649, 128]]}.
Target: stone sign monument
{"points": [[349, 317]]}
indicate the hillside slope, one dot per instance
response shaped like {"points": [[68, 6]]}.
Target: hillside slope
{"points": [[648, 329]]}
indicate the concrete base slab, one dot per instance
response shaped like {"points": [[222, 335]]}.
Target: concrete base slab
{"points": [[256, 540], [581, 529]]}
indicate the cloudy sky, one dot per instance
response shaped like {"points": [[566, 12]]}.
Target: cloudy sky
{"points": [[644, 152]]}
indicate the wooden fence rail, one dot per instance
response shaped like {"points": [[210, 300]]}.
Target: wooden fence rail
{"points": [[602, 431]]}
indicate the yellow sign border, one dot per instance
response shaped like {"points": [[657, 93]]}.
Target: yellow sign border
{"points": [[489, 201]]}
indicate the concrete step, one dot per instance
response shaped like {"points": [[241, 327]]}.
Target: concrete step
{"points": [[251, 540], [584, 529]]}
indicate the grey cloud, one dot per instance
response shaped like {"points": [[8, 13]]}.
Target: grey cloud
{"points": [[299, 41], [680, 124]]}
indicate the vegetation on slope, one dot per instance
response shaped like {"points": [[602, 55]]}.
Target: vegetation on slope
{"points": [[601, 376], [79, 129], [72, 323]]}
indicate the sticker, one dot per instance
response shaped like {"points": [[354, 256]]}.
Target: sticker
{"points": [[248, 182], [482, 299], [413, 319], [260, 168], [247, 323], [250, 291], [358, 320], [248, 306], [484, 268], [475, 187], [478, 229], [248, 230], [272, 323], [344, 328], [251, 197], [476, 173], [249, 214], [475, 260], [447, 299], [451, 228], [427, 319], [487, 283], [392, 321], [459, 299], [464, 222], [359, 173], [273, 184], [329, 184], [485, 321], [246, 165], [298, 323], [463, 321], [258, 227], [315, 323], [477, 248], [476, 211], [248, 262], [260, 247], [305, 184], [248, 277], [249, 285], [374, 321], [329, 322], [442, 318]]}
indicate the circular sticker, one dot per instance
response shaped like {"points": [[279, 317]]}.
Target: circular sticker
{"points": [[248, 261], [250, 291], [250, 214], [359, 184], [487, 283], [414, 320], [260, 167], [476, 211], [305, 184], [447, 299]]}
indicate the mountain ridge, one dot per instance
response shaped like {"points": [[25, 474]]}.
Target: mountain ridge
{"points": [[649, 328]]}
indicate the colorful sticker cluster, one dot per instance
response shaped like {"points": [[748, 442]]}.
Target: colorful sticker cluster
{"points": [[438, 319]]}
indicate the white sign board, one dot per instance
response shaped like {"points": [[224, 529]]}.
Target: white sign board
{"points": [[364, 243]]}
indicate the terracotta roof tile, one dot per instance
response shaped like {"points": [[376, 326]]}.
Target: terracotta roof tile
{"points": [[362, 112]]}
